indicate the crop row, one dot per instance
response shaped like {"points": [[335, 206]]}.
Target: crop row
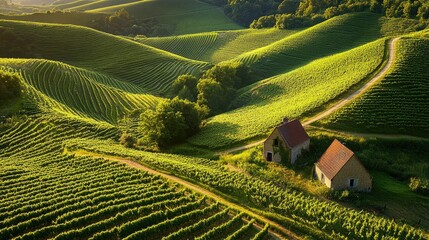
{"points": [[302, 212], [399, 103]]}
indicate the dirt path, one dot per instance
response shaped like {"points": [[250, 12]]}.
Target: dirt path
{"points": [[195, 188], [341, 103]]}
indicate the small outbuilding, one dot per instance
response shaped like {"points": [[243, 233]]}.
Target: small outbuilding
{"points": [[286, 142], [339, 168]]}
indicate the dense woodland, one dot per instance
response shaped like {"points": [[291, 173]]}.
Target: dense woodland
{"points": [[288, 14]]}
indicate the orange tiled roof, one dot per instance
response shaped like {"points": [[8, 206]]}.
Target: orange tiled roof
{"points": [[334, 158], [293, 133]]}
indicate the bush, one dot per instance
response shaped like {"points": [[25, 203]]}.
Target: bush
{"points": [[264, 22], [171, 122], [185, 87], [420, 185], [10, 86], [127, 140]]}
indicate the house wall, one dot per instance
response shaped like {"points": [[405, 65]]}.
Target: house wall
{"points": [[352, 169], [268, 145], [325, 180], [296, 151]]}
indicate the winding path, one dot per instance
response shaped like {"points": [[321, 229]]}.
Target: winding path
{"points": [[195, 188], [341, 103]]}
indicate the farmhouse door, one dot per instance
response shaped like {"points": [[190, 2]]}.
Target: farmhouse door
{"points": [[269, 156]]}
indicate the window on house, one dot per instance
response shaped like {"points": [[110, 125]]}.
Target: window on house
{"points": [[353, 182], [276, 142]]}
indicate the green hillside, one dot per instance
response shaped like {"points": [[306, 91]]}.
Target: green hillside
{"points": [[399, 104], [186, 16], [59, 196], [76, 18], [90, 5], [216, 47], [151, 69], [332, 36], [70, 90], [292, 94]]}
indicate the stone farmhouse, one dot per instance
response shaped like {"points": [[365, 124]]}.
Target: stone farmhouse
{"points": [[286, 142], [340, 169]]}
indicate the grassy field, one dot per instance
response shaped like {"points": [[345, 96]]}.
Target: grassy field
{"points": [[70, 90], [57, 196], [399, 103], [187, 16], [289, 95], [151, 69], [332, 36], [215, 47]]}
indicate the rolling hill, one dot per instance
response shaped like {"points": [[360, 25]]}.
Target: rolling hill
{"points": [[215, 47], [291, 94], [330, 37], [73, 91], [186, 16], [399, 103], [151, 69]]}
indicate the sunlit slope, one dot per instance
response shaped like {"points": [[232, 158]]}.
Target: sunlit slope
{"points": [[332, 36], [187, 16], [77, 18], [70, 90], [89, 5], [399, 104], [290, 95], [151, 69], [216, 47]]}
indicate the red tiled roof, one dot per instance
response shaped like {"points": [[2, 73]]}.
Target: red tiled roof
{"points": [[293, 133], [334, 158]]}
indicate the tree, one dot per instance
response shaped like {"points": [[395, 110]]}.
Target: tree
{"points": [[10, 86], [185, 87], [264, 22], [212, 96], [127, 140], [288, 6], [229, 75], [171, 122]]}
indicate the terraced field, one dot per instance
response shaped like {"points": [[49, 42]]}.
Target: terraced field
{"points": [[399, 103], [216, 47], [80, 92], [291, 95], [187, 16], [47, 195], [151, 69], [299, 212], [330, 37]]}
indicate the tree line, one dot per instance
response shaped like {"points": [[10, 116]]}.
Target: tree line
{"points": [[288, 14]]}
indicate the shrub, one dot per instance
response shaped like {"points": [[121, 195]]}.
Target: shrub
{"points": [[185, 87], [420, 185], [127, 140], [10, 87], [171, 122]]}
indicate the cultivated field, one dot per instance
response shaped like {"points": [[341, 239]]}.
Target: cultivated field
{"points": [[291, 94], [399, 103]]}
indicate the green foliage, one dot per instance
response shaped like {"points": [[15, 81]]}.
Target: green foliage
{"points": [[420, 185], [185, 87], [10, 87], [292, 94], [399, 103], [127, 140], [217, 86], [171, 122]]}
